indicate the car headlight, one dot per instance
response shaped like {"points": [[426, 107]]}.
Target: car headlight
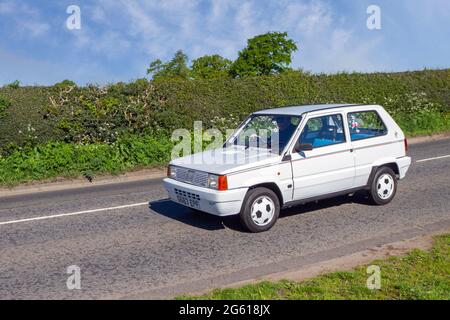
{"points": [[213, 181], [217, 182], [172, 172]]}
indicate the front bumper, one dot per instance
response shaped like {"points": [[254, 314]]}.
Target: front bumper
{"points": [[219, 203], [403, 166]]}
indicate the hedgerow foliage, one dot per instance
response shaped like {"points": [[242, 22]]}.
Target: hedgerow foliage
{"points": [[4, 105], [92, 114], [69, 130]]}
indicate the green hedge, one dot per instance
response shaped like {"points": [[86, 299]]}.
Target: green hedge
{"points": [[66, 130], [65, 113]]}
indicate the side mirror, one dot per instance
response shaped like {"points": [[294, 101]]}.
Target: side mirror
{"points": [[302, 147]]}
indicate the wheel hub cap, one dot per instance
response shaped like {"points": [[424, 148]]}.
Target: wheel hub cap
{"points": [[385, 186], [262, 210]]}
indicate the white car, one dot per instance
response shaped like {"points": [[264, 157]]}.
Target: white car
{"points": [[287, 156]]}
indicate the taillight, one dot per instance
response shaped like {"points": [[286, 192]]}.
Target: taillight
{"points": [[222, 183], [406, 145]]}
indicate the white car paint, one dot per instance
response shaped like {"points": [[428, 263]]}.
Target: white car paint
{"points": [[320, 172]]}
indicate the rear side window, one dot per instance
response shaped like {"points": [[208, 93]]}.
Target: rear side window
{"points": [[365, 124]]}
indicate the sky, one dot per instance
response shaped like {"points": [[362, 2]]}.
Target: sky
{"points": [[118, 39]]}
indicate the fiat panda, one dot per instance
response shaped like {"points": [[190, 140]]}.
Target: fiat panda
{"points": [[289, 156]]}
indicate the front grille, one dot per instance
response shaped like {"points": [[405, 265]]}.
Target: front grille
{"points": [[194, 177], [189, 195]]}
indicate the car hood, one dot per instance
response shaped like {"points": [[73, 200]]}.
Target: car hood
{"points": [[227, 160]]}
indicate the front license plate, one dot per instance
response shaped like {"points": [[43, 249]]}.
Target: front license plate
{"points": [[188, 202]]}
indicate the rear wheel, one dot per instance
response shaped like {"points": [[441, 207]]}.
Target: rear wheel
{"points": [[384, 186], [260, 209]]}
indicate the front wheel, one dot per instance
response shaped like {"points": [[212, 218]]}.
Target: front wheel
{"points": [[384, 186], [260, 209]]}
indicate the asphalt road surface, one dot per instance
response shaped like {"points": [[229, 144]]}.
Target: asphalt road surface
{"points": [[129, 241]]}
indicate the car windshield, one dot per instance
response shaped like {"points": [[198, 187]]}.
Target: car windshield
{"points": [[272, 132]]}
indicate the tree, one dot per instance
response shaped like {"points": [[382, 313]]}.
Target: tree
{"points": [[209, 67], [175, 68], [265, 54], [65, 83], [13, 85]]}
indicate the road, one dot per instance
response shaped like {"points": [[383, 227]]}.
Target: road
{"points": [[130, 242]]}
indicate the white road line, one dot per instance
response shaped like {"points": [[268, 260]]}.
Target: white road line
{"points": [[434, 158], [73, 213]]}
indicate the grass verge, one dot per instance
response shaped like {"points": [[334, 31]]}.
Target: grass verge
{"points": [[60, 159], [419, 275]]}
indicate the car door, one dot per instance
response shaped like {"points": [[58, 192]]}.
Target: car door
{"points": [[370, 141], [329, 166]]}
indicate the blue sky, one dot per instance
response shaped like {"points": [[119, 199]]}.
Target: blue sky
{"points": [[119, 38]]}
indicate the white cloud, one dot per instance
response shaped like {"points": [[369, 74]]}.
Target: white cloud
{"points": [[6, 7], [245, 20], [27, 20], [98, 14], [219, 10], [141, 22], [315, 19], [36, 28], [342, 52], [159, 28], [132, 33]]}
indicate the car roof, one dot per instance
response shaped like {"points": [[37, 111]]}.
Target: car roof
{"points": [[298, 110]]}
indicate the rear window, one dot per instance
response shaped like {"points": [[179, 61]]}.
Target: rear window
{"points": [[365, 124]]}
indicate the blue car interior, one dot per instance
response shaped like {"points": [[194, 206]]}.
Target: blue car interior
{"points": [[365, 133], [330, 131]]}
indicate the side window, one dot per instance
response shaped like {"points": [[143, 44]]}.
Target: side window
{"points": [[365, 124], [323, 131]]}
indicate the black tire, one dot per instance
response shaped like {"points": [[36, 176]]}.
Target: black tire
{"points": [[377, 186], [246, 211]]}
